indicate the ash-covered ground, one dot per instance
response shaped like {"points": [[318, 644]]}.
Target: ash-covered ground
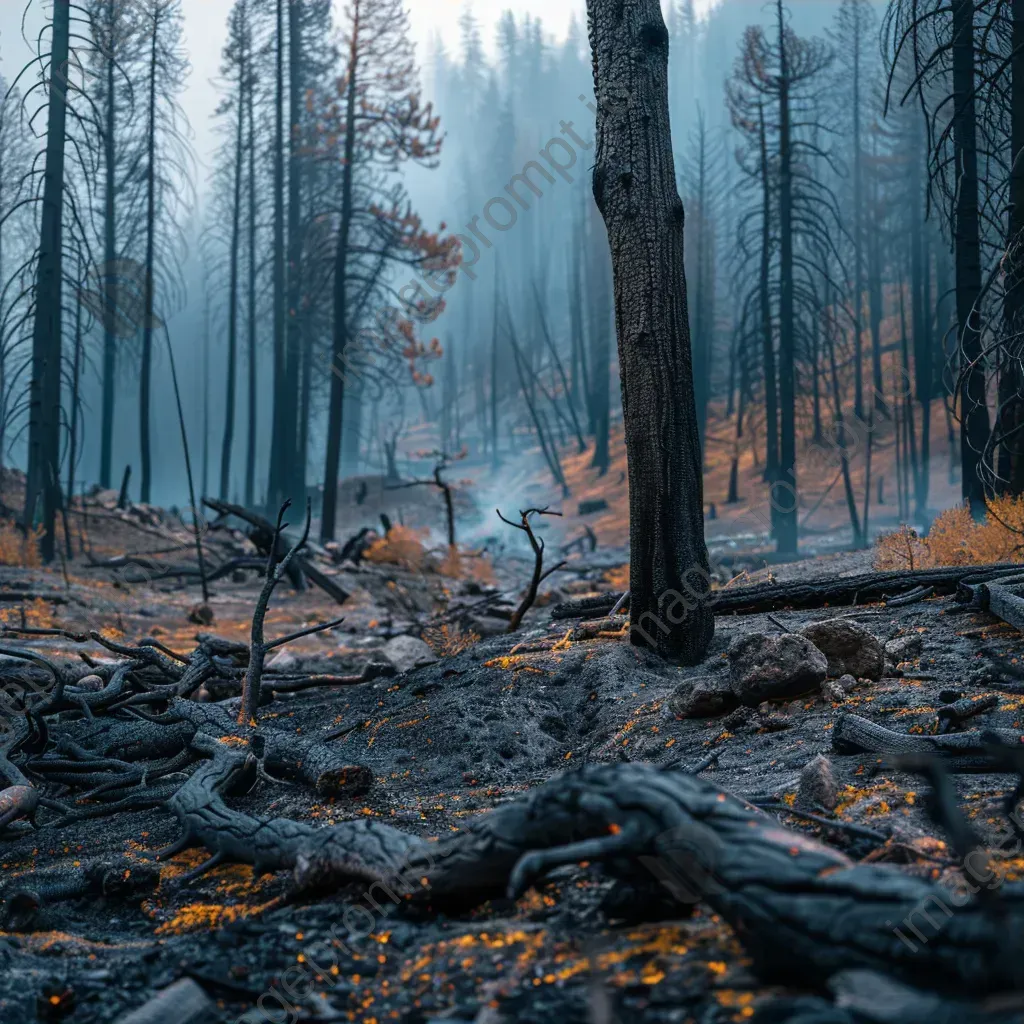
{"points": [[482, 722]]}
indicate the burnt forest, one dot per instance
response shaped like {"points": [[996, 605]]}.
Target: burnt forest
{"points": [[512, 512]]}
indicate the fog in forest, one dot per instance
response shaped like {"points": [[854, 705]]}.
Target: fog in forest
{"points": [[208, 142]]}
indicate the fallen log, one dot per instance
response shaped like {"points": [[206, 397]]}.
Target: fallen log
{"points": [[845, 590], [265, 536], [598, 607], [803, 910], [963, 751], [1000, 597], [825, 591], [184, 1002]]}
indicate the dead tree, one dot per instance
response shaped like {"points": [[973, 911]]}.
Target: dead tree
{"points": [[443, 486], [539, 575], [644, 217]]}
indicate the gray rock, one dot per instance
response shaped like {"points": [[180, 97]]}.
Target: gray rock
{"points": [[834, 691], [408, 652], [764, 667], [904, 648], [818, 786], [703, 697], [283, 661], [849, 648], [847, 683]]}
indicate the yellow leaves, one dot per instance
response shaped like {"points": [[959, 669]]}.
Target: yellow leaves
{"points": [[956, 539]]}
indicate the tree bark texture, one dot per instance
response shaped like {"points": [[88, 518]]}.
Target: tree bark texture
{"points": [[635, 190]]}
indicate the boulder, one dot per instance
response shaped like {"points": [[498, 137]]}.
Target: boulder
{"points": [[818, 786], [849, 648], [765, 667], [407, 653], [703, 697]]}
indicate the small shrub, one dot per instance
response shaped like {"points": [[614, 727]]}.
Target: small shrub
{"points": [[402, 546], [16, 548], [447, 641]]}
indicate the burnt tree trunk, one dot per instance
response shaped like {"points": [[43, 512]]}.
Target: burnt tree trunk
{"points": [[146, 370], [635, 190], [236, 226], [250, 442], [784, 487], [771, 394], [279, 435], [294, 473], [1011, 380], [340, 296], [924, 359], [108, 280], [974, 423]]}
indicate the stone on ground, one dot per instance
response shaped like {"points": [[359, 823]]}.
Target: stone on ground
{"points": [[850, 648], [767, 667]]}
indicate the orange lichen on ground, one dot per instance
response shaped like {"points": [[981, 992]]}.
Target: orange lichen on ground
{"points": [[207, 916], [956, 539], [514, 663]]}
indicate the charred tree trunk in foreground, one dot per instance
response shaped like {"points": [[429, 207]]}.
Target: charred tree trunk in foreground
{"points": [[974, 423], [642, 210]]}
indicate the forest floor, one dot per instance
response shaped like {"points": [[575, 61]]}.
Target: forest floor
{"points": [[490, 716]]}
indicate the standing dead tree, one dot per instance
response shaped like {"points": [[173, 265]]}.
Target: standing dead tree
{"points": [[438, 481], [640, 204], [539, 575], [258, 647]]}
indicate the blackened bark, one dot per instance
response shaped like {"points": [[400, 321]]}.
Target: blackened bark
{"points": [[44, 393], [146, 371], [784, 488], [600, 334], [278, 449], [250, 449], [974, 422], [1011, 381], [294, 471], [924, 358], [340, 326], [635, 190], [108, 278], [236, 226], [771, 395]]}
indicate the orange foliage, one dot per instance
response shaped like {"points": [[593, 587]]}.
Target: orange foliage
{"points": [[461, 565], [448, 641], [16, 548], [402, 546], [617, 578], [956, 539]]}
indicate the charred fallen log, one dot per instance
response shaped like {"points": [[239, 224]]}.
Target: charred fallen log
{"points": [[963, 751], [267, 539], [803, 910], [818, 593]]}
